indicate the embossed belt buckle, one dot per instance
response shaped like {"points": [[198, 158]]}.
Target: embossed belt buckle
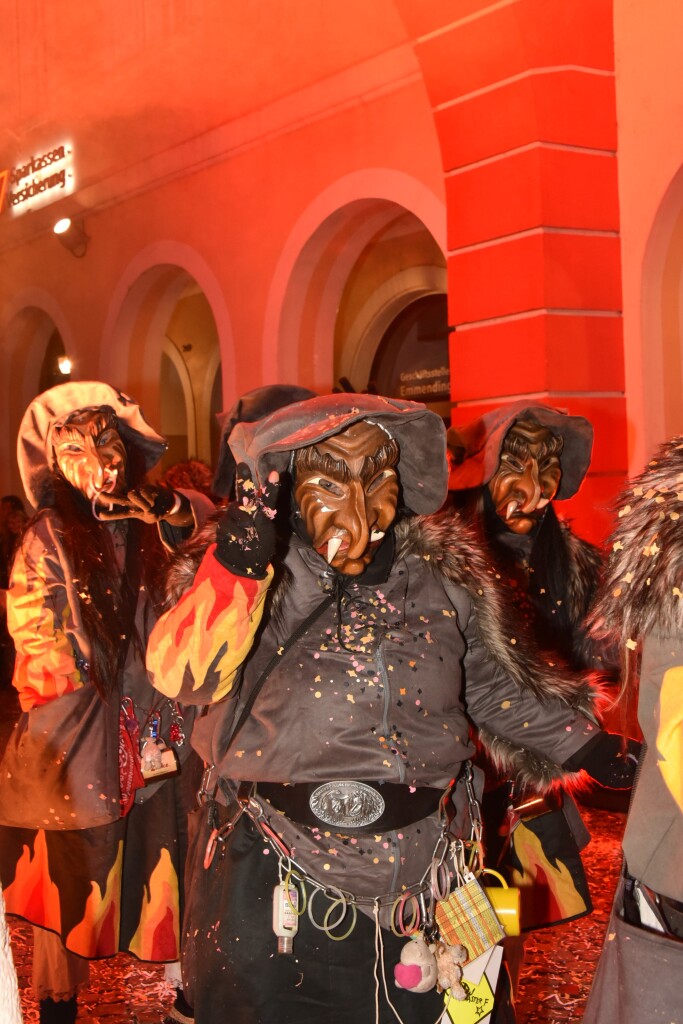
{"points": [[346, 804]]}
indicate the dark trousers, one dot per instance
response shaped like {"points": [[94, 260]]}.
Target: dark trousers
{"points": [[231, 967]]}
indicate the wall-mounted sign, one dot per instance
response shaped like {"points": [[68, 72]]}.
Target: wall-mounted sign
{"points": [[412, 359], [40, 180], [425, 384]]}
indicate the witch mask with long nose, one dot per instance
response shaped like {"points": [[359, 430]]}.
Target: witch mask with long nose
{"points": [[346, 490]]}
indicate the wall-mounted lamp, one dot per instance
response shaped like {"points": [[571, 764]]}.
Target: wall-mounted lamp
{"points": [[64, 365], [71, 234]]}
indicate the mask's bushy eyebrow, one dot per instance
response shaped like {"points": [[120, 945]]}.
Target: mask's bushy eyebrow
{"points": [[86, 423], [308, 460], [312, 460], [519, 446], [383, 458]]}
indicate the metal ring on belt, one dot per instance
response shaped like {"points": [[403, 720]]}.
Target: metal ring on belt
{"points": [[349, 805]]}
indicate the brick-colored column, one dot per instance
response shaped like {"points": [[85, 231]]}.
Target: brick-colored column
{"points": [[523, 99]]}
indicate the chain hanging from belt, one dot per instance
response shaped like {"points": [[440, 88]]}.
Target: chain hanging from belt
{"points": [[411, 910]]}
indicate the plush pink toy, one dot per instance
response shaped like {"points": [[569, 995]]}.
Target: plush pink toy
{"points": [[417, 969]]}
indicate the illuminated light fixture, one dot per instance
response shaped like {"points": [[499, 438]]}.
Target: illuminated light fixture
{"points": [[64, 365], [71, 234]]}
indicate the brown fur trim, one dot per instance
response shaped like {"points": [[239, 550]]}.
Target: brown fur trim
{"points": [[643, 586], [587, 567], [187, 559], [453, 549]]}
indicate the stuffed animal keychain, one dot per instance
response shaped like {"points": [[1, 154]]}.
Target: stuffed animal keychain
{"points": [[423, 965], [416, 970], [449, 962]]}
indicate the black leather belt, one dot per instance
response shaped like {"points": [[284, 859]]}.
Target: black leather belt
{"points": [[348, 805]]}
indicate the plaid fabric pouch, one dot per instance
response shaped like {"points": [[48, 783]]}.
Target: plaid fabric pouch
{"points": [[468, 917]]}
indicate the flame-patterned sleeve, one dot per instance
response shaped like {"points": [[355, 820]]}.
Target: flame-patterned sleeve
{"points": [[41, 622], [197, 647]]}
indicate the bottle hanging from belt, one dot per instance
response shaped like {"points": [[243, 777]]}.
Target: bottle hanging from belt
{"points": [[285, 916]]}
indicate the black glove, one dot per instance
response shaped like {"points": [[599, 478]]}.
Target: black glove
{"points": [[609, 759], [150, 503], [245, 538]]}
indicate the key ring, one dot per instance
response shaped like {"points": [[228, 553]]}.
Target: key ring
{"points": [[439, 881], [326, 926], [321, 927], [290, 879], [397, 912]]}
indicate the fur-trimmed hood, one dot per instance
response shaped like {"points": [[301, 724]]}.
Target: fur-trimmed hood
{"points": [[452, 550], [643, 586]]}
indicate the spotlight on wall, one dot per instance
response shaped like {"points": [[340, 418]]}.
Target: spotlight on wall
{"points": [[71, 234], [64, 365]]}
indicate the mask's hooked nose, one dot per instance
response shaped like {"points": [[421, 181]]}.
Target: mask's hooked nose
{"points": [[355, 521], [530, 486]]}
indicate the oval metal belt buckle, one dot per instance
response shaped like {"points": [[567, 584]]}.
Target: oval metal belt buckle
{"points": [[346, 804]]}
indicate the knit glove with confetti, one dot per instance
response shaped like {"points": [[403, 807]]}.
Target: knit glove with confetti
{"points": [[245, 538]]}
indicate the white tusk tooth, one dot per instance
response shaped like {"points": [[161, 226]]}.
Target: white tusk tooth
{"points": [[511, 509], [376, 534], [543, 502], [333, 545]]}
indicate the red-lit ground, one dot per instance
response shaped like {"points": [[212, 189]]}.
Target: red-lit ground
{"points": [[555, 980]]}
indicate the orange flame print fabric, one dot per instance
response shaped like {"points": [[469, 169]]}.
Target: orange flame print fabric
{"points": [[196, 648]]}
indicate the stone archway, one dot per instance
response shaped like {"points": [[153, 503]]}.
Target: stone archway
{"points": [[340, 281], [523, 99], [26, 337], [166, 321]]}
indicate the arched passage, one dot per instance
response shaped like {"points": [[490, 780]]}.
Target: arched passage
{"points": [[30, 331], [165, 349], [352, 262]]}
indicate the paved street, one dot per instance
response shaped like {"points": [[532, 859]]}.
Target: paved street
{"points": [[556, 977]]}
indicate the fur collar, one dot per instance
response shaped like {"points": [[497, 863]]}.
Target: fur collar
{"points": [[643, 587]]}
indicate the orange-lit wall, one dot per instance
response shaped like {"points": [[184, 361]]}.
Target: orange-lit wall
{"points": [[536, 141], [234, 205], [650, 116]]}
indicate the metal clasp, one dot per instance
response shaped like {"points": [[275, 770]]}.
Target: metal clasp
{"points": [[220, 835], [204, 793]]}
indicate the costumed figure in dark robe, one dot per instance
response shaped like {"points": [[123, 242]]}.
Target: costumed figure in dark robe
{"points": [[84, 594], [341, 682], [508, 468], [640, 608]]}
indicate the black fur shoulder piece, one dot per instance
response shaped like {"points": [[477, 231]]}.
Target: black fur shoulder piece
{"points": [[643, 586]]}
